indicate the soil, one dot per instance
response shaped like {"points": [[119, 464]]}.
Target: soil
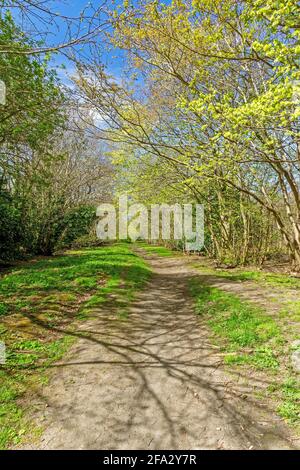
{"points": [[154, 381]]}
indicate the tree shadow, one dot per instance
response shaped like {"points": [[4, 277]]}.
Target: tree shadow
{"points": [[153, 381]]}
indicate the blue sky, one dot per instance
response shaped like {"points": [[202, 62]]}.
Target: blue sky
{"points": [[114, 60], [56, 33]]}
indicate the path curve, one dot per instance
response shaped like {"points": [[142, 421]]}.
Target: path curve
{"points": [[153, 381]]}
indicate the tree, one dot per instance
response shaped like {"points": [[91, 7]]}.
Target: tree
{"points": [[220, 80], [50, 174], [77, 30]]}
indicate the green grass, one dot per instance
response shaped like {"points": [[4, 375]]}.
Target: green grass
{"points": [[288, 393], [261, 358], [262, 277], [15, 383], [157, 250], [249, 337], [271, 279], [237, 274], [3, 309], [291, 312], [38, 305], [239, 323]]}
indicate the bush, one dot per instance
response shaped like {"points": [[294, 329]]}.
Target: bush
{"points": [[76, 226], [10, 228], [86, 241]]}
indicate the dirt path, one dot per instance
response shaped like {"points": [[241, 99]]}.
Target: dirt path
{"points": [[153, 382]]}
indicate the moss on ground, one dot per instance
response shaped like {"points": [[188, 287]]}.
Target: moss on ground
{"points": [[39, 303]]}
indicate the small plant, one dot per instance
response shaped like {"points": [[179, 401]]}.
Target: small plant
{"points": [[239, 323], [261, 358], [3, 309], [157, 250]]}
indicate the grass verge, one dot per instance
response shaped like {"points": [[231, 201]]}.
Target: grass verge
{"points": [[249, 336], [38, 305], [261, 277], [158, 250]]}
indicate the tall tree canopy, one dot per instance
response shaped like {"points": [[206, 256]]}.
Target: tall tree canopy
{"points": [[215, 94]]}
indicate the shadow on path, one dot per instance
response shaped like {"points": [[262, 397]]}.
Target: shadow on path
{"points": [[153, 381]]}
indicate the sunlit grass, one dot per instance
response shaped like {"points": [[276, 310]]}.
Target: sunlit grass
{"points": [[239, 323], [249, 337], [157, 250], [39, 302], [262, 277]]}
